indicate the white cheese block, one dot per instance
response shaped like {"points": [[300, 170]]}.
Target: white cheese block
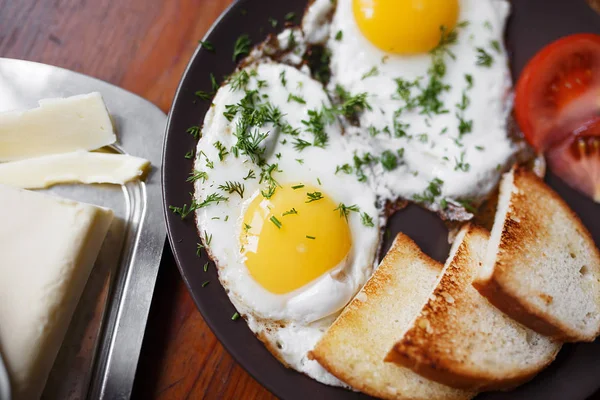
{"points": [[75, 167], [56, 126], [48, 246]]}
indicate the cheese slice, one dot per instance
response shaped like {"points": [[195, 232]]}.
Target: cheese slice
{"points": [[48, 246], [56, 126], [75, 167]]}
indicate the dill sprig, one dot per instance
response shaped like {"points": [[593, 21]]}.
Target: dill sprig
{"points": [[346, 168], [275, 222], [433, 190], [250, 175], [345, 210], [186, 210], [372, 72], [389, 160], [222, 150], [359, 162], [314, 196], [210, 199], [293, 211], [484, 59], [300, 144], [202, 95], [213, 82], [239, 80], [194, 131], [315, 124], [296, 98], [464, 126], [351, 105], [367, 220], [266, 175], [282, 78], [241, 47], [461, 165], [233, 187], [197, 175], [205, 44]]}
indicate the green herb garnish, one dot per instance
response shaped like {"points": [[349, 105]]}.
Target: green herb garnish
{"points": [[282, 78], [250, 175], [433, 190], [241, 47], [222, 150], [233, 187], [345, 210], [239, 80], [461, 165], [207, 45], [388, 160], [367, 220], [196, 175], [297, 99], [314, 196], [202, 95], [213, 81], [275, 222], [484, 59], [194, 131], [372, 72]]}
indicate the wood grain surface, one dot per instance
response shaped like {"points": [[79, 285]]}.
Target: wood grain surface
{"points": [[142, 46]]}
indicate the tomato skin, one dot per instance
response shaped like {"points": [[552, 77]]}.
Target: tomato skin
{"points": [[558, 90]]}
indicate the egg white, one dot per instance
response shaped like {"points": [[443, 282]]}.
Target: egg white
{"points": [[486, 150], [291, 323]]}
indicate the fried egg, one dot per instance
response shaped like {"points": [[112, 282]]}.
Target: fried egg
{"points": [[293, 242], [436, 94]]}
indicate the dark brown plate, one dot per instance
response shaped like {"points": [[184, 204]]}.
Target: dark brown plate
{"points": [[534, 23]]}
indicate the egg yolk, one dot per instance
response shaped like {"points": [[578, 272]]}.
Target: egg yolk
{"points": [[405, 26], [293, 237]]}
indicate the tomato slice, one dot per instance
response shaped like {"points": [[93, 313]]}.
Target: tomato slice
{"points": [[577, 159], [559, 90]]}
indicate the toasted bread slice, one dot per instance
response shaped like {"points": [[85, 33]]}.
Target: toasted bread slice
{"points": [[354, 347], [462, 340], [542, 267]]}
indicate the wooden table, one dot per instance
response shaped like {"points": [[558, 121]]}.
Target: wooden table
{"points": [[142, 46]]}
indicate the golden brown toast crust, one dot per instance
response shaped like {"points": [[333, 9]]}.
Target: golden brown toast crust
{"points": [[327, 350], [525, 228], [430, 346]]}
